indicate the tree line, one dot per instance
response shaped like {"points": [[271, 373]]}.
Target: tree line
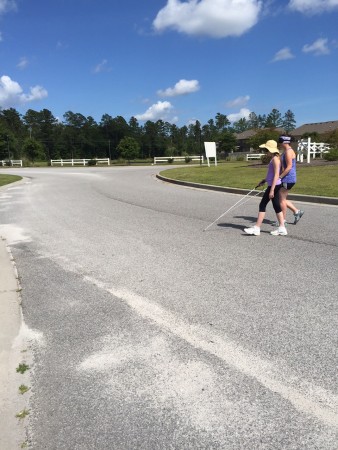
{"points": [[38, 135]]}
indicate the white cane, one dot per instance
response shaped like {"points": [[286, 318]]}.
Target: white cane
{"points": [[233, 206]]}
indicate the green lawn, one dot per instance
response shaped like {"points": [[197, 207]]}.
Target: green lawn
{"points": [[311, 180], [6, 179]]}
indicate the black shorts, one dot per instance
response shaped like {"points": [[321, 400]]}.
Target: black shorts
{"points": [[288, 186]]}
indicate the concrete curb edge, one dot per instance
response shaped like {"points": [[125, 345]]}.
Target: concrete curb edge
{"points": [[14, 183]]}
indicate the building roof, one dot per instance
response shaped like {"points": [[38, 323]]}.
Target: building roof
{"points": [[249, 133], [246, 134], [320, 128]]}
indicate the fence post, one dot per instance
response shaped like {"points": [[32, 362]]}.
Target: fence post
{"points": [[308, 149]]}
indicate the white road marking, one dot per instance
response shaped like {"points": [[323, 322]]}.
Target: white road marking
{"points": [[305, 397]]}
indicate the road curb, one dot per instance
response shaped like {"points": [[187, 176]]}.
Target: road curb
{"points": [[14, 183], [211, 187], [12, 430]]}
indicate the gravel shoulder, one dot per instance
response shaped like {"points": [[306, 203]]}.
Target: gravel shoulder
{"points": [[13, 351]]}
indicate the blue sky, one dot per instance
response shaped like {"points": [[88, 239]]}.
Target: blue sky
{"points": [[171, 60]]}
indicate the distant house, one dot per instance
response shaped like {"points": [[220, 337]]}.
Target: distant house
{"points": [[243, 139], [320, 128], [297, 133]]}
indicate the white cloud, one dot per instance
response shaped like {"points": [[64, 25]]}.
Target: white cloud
{"points": [[182, 87], [36, 93], [242, 114], [7, 5], [238, 102], [157, 111], [313, 6], [214, 18], [318, 48], [23, 63], [11, 93], [283, 54], [60, 45], [191, 122], [102, 67]]}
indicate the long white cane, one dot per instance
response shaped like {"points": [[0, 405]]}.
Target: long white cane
{"points": [[237, 203]]}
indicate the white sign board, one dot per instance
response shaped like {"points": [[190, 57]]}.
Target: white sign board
{"points": [[210, 151]]}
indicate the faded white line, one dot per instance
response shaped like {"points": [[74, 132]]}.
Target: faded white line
{"points": [[314, 400], [13, 234]]}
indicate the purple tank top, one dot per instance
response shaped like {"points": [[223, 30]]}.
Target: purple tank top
{"points": [[270, 175], [291, 177]]}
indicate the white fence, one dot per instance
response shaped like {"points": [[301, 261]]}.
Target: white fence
{"points": [[76, 162], [310, 149], [254, 156], [165, 159], [13, 162]]}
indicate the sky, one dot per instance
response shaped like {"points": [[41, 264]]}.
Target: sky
{"points": [[179, 61]]}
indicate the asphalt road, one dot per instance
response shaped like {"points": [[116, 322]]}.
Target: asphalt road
{"points": [[152, 334]]}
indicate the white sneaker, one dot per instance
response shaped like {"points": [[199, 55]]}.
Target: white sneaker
{"points": [[279, 232], [256, 231]]}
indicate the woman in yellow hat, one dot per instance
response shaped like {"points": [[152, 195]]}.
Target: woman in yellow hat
{"points": [[271, 193]]}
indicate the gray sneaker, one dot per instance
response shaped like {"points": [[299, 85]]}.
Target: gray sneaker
{"points": [[276, 224], [297, 216]]}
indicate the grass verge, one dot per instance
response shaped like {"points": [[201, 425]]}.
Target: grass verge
{"points": [[317, 180], [6, 179]]}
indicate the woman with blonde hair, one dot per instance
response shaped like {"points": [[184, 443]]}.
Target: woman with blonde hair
{"points": [[271, 193]]}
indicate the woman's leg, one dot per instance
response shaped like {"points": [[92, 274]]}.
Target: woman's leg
{"points": [[262, 207], [280, 218], [277, 205], [291, 206], [283, 193], [285, 203], [260, 218], [255, 230], [281, 230]]}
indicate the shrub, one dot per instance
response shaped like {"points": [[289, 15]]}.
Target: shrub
{"points": [[240, 158], [92, 162], [332, 155], [170, 160], [187, 159]]}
